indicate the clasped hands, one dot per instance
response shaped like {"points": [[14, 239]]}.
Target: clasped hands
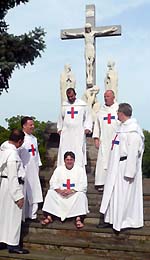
{"points": [[65, 192]]}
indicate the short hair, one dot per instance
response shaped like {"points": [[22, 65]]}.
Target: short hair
{"points": [[126, 109], [69, 153], [113, 93], [69, 90], [16, 135], [25, 119]]}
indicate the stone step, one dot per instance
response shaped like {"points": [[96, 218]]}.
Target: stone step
{"points": [[53, 254], [90, 239]]}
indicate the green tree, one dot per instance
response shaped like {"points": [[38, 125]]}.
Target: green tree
{"points": [[146, 155], [4, 134], [16, 51]]}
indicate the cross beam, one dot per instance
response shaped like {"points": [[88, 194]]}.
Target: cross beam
{"points": [[89, 33]]}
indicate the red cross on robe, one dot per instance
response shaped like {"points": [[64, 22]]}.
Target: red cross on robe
{"points": [[109, 118], [72, 112], [68, 184], [32, 149], [114, 141]]}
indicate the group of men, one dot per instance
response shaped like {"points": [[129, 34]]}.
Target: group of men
{"points": [[20, 188], [120, 144]]}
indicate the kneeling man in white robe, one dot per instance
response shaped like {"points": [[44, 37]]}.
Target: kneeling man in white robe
{"points": [[66, 197]]}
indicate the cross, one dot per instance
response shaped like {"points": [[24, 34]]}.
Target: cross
{"points": [[108, 118], [72, 112], [89, 33], [68, 185], [114, 142], [32, 150]]}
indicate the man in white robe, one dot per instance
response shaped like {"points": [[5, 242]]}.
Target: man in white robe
{"points": [[104, 129], [66, 197], [11, 192], [31, 161], [122, 202], [73, 124]]}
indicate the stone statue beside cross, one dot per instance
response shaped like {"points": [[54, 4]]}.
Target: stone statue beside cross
{"points": [[89, 33]]}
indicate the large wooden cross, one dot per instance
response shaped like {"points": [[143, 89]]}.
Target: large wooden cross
{"points": [[90, 47]]}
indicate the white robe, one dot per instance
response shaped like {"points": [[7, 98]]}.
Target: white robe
{"points": [[104, 129], [75, 204], [31, 162], [122, 202], [72, 131], [10, 191]]}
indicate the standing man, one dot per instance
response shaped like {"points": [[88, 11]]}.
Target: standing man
{"points": [[104, 129], [66, 197], [11, 192], [73, 124], [31, 161], [122, 202]]}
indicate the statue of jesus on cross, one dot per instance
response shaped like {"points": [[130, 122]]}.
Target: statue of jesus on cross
{"points": [[89, 33], [89, 36]]}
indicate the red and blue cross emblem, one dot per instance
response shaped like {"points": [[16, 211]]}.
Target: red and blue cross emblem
{"points": [[109, 117], [32, 150], [72, 112], [68, 185], [114, 142]]}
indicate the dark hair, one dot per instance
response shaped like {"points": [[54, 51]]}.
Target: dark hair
{"points": [[126, 109], [25, 119], [69, 90], [16, 135], [69, 153]]}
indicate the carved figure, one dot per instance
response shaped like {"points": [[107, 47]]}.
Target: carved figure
{"points": [[67, 80], [111, 79]]}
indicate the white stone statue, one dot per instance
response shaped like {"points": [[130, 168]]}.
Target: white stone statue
{"points": [[89, 36], [90, 98], [111, 79], [67, 80]]}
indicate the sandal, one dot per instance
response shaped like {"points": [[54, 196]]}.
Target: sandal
{"points": [[79, 223], [46, 220]]}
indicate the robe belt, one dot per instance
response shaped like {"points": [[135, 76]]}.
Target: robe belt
{"points": [[20, 180], [123, 158]]}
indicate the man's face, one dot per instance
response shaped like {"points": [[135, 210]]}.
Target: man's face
{"points": [[69, 162], [28, 127], [120, 116], [71, 97], [109, 98]]}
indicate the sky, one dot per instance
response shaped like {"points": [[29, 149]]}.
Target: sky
{"points": [[35, 89]]}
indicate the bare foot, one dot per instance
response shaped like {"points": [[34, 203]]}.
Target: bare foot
{"points": [[79, 223], [47, 220]]}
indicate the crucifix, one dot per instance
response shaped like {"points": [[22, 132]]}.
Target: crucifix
{"points": [[89, 33]]}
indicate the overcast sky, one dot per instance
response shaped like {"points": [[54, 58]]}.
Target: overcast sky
{"points": [[35, 90]]}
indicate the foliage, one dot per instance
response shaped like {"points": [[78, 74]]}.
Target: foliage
{"points": [[4, 134], [14, 122], [146, 155], [16, 51]]}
